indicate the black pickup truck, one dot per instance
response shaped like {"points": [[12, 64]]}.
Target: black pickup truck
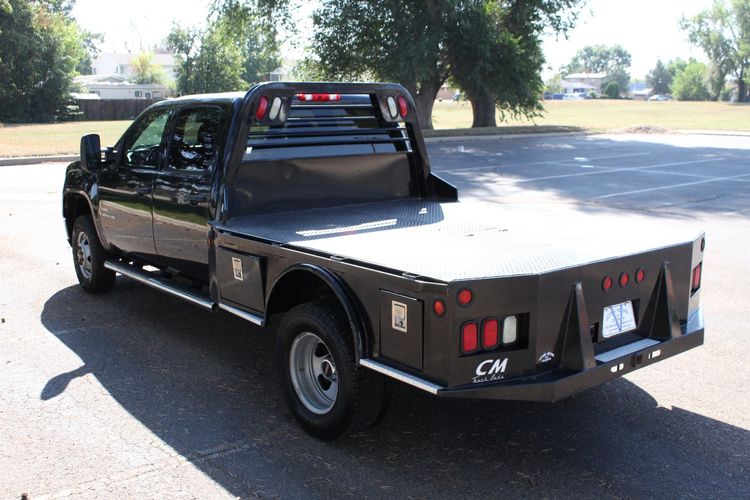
{"points": [[314, 204]]}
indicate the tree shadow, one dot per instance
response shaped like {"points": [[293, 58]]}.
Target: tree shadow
{"points": [[204, 384], [596, 173]]}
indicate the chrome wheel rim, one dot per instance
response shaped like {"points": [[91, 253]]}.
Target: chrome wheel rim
{"points": [[313, 373], [83, 255]]}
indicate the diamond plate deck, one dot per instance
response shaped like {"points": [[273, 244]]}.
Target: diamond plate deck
{"points": [[459, 240]]}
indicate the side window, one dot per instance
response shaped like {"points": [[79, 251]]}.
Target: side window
{"points": [[141, 147], [195, 141]]}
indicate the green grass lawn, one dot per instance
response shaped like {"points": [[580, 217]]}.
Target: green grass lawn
{"points": [[58, 138], [598, 115], [608, 115]]}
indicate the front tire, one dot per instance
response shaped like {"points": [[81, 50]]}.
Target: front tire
{"points": [[327, 394], [89, 256]]}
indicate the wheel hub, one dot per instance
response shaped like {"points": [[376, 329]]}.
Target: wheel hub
{"points": [[313, 373], [83, 255]]}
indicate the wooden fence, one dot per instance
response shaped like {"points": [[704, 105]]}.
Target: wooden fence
{"points": [[112, 109]]}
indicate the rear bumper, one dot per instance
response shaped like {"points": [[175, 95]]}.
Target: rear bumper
{"points": [[556, 385]]}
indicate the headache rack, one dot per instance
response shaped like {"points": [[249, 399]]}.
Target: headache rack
{"points": [[350, 125]]}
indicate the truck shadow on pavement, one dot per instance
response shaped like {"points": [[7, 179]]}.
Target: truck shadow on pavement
{"points": [[204, 384]]}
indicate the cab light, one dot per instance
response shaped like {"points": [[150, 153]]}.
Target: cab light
{"points": [[640, 275], [260, 112], [438, 307], [469, 337], [697, 277], [273, 113], [490, 339], [510, 330], [318, 97], [403, 107], [392, 108], [464, 297], [624, 280], [607, 284]]}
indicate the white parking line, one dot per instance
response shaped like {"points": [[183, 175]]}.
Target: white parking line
{"points": [[684, 184], [567, 163], [608, 171]]}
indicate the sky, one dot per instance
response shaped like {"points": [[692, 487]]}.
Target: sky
{"points": [[648, 29]]}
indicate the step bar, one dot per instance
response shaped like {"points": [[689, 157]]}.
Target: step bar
{"points": [[146, 278], [163, 285]]}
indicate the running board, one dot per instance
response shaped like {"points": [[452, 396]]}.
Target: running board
{"points": [[146, 278], [404, 377]]}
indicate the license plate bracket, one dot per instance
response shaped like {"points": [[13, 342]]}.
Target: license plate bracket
{"points": [[617, 319]]}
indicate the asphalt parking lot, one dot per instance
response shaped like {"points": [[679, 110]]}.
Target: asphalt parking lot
{"points": [[136, 394]]}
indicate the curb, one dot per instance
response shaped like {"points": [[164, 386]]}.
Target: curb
{"points": [[503, 136], [31, 160]]}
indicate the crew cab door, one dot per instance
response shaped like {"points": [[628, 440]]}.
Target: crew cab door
{"points": [[183, 188], [125, 188]]}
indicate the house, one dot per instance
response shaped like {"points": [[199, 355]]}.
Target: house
{"points": [[639, 91], [569, 87], [118, 87], [119, 64], [594, 80]]}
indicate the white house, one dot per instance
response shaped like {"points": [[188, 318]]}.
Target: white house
{"points": [[118, 87], [119, 64], [569, 87], [594, 80]]}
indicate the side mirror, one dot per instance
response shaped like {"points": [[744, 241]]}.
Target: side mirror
{"points": [[91, 151]]}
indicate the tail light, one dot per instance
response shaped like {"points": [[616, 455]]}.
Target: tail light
{"points": [[697, 277], [260, 111], [607, 284], [273, 113], [392, 107], [469, 337], [319, 97], [510, 330], [490, 338]]}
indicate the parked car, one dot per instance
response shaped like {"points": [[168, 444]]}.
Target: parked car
{"points": [[659, 97]]}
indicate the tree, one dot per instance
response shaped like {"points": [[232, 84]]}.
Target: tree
{"points": [[612, 90], [390, 40], [723, 32], [239, 47], [659, 78], [613, 60], [145, 70], [40, 47], [690, 83], [491, 49]]}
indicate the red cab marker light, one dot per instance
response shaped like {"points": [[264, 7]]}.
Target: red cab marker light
{"points": [[403, 106], [640, 275], [318, 97], [490, 337], [260, 111], [624, 280], [464, 297], [697, 276], [469, 337], [607, 284], [438, 307]]}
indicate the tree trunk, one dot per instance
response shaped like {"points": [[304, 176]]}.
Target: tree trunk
{"points": [[741, 88], [425, 100], [483, 108]]}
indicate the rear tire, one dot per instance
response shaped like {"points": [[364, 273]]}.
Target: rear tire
{"points": [[327, 394], [89, 256]]}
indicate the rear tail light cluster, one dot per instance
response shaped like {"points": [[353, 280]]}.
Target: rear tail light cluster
{"points": [[489, 334], [624, 279]]}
